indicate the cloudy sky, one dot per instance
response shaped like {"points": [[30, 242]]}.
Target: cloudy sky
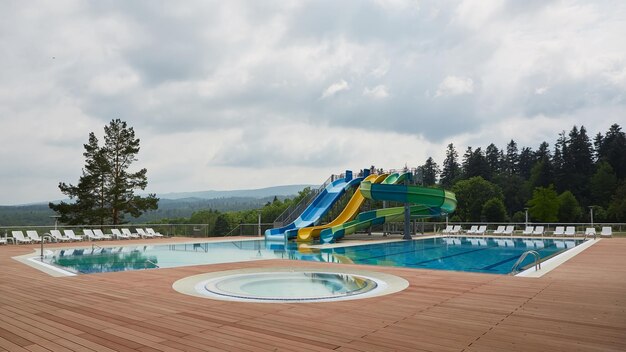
{"points": [[247, 94]]}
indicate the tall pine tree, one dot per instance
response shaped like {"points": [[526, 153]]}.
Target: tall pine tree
{"points": [[451, 169], [105, 192]]}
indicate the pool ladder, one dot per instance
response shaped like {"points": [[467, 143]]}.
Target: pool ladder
{"points": [[523, 256]]}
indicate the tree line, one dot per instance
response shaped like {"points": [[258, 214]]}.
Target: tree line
{"points": [[558, 183]]}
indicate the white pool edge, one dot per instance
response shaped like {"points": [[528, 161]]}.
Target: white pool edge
{"points": [[557, 260]]}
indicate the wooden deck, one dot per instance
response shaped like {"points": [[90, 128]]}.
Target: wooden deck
{"points": [[580, 306]]}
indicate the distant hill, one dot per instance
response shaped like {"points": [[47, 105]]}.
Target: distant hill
{"points": [[171, 205], [244, 193]]}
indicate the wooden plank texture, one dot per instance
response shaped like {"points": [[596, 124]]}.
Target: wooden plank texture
{"points": [[580, 306]]}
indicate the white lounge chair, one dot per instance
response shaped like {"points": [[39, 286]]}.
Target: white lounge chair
{"points": [[481, 230], [570, 231], [153, 233], [71, 235], [528, 231], [499, 230], [34, 236], [101, 234], [3, 240], [607, 231], [91, 236], [56, 235], [119, 235], [143, 233], [590, 231], [130, 234], [18, 237], [472, 230], [538, 230], [559, 231], [447, 230], [456, 229], [509, 230]]}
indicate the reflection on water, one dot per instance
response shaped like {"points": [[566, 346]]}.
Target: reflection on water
{"points": [[488, 255], [291, 285]]}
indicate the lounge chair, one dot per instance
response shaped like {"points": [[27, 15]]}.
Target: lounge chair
{"points": [[34, 236], [505, 243], [509, 230], [559, 231], [499, 230], [101, 234], [56, 234], [570, 231], [18, 237], [153, 233], [538, 230], [472, 230], [528, 231], [130, 234], [119, 235], [481, 230], [456, 230], [143, 233], [71, 235], [590, 231], [447, 230], [3, 240], [607, 231], [91, 236]]}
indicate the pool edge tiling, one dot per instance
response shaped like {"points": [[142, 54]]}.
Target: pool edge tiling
{"points": [[386, 284]]}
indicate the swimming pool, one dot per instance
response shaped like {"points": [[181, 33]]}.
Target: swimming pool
{"points": [[484, 255]]}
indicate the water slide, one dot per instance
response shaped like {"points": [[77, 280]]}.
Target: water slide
{"points": [[428, 202], [348, 213], [316, 210]]}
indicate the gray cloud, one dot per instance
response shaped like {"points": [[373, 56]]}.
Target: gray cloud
{"points": [[247, 83]]}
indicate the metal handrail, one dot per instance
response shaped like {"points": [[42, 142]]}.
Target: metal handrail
{"points": [[523, 256]]}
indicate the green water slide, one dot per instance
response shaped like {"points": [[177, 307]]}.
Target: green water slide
{"points": [[427, 202]]}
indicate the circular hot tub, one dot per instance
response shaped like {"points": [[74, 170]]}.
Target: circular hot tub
{"points": [[289, 285]]}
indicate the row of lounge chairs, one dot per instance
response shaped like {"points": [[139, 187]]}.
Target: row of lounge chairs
{"points": [[69, 236], [528, 231]]}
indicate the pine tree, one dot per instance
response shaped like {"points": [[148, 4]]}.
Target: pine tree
{"points": [[526, 162], [105, 191], [451, 168], [492, 154], [511, 163], [612, 149], [430, 170]]}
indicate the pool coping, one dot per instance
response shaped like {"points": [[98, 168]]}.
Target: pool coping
{"points": [[393, 283], [554, 262]]}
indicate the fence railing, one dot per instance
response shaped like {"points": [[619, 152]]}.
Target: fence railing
{"points": [[416, 226]]}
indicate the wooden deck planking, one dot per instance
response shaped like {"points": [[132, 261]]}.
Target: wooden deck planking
{"points": [[579, 306]]}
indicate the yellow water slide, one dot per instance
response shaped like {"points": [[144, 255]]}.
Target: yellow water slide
{"points": [[348, 213]]}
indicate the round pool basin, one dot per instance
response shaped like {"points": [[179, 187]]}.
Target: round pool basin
{"points": [[289, 286]]}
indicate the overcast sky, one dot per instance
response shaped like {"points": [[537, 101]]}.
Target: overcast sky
{"points": [[248, 94]]}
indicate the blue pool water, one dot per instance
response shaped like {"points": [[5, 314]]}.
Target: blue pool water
{"points": [[484, 255]]}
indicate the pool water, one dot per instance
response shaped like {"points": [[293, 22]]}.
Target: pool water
{"points": [[283, 286], [484, 255]]}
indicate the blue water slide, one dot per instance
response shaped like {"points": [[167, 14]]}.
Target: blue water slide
{"points": [[316, 210]]}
